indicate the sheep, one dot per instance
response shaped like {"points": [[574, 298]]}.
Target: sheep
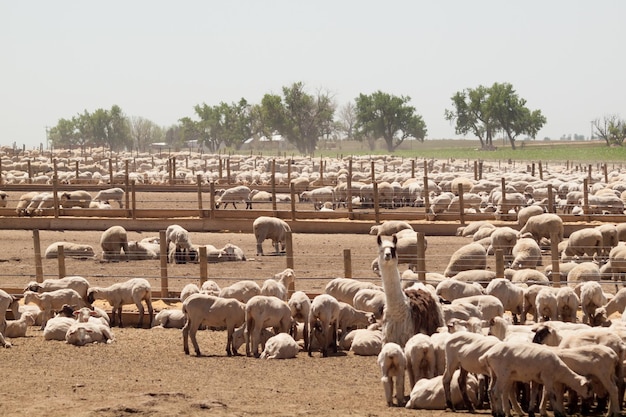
{"points": [[610, 239], [23, 202], [484, 232], [40, 202], [210, 287], [605, 203], [110, 194], [78, 198], [280, 346], [139, 251], [93, 314], [242, 290], [527, 362], [260, 312], [428, 394], [543, 225], [473, 227], [183, 248], [526, 213], [77, 283], [265, 227], [511, 296], [363, 342], [567, 303], [389, 228], [503, 330], [231, 253], [80, 334], [300, 306], [239, 337], [480, 276], [323, 322], [287, 277], [17, 328], [450, 289], [546, 305], [112, 241], [134, 290], [503, 238], [70, 249], [527, 276], [617, 263], [462, 350], [471, 256], [370, 300], [460, 311], [420, 358], [488, 305], [167, 318], [56, 328], [53, 300], [237, 194], [344, 289], [211, 311], [392, 364], [350, 318], [583, 243], [188, 290], [591, 297], [275, 289], [319, 196], [33, 310], [526, 254], [582, 272], [617, 303]]}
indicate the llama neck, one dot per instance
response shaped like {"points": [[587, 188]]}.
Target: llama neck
{"points": [[392, 285]]}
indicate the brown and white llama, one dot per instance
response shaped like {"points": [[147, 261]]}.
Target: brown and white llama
{"points": [[407, 312]]}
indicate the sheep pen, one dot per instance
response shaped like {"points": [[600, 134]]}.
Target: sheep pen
{"points": [[161, 381]]}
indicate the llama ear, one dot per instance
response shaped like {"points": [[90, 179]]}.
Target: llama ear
{"points": [[395, 239], [379, 240]]}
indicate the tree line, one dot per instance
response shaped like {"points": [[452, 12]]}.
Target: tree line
{"points": [[303, 118]]}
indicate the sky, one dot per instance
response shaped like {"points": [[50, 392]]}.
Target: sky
{"points": [[158, 59]]}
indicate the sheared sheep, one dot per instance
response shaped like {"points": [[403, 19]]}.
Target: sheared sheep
{"points": [[451, 289], [544, 225], [370, 300], [53, 300], [511, 296], [167, 318], [420, 358], [112, 241], [78, 198], [237, 194], [584, 244], [526, 253], [273, 228], [188, 290], [80, 334], [471, 256], [79, 284], [344, 289], [546, 304], [260, 312], [70, 249], [242, 290], [428, 394], [275, 289], [591, 297], [390, 227], [280, 346], [393, 365], [110, 194], [17, 328], [323, 322], [300, 306], [133, 291]]}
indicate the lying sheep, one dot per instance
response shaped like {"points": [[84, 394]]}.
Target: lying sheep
{"points": [[110, 194], [78, 198], [167, 319], [239, 337], [526, 254], [133, 291], [471, 256], [428, 394], [78, 284], [471, 228], [53, 301], [80, 334], [261, 312], [389, 228], [56, 328], [237, 194], [211, 311], [392, 364], [344, 289], [139, 251], [231, 253], [280, 346], [350, 318], [363, 342], [370, 300], [70, 249], [242, 290], [17, 328], [273, 228], [113, 241]]}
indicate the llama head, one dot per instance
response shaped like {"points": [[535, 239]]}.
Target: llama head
{"points": [[387, 250]]}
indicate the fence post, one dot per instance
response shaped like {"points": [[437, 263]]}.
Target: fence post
{"points": [[274, 186], [499, 263], [61, 260], [461, 205], [550, 199], [163, 256], [421, 256], [204, 273], [586, 196], [38, 264], [376, 202], [199, 182], [55, 196], [349, 190], [554, 255], [133, 200], [292, 192], [347, 263], [212, 200], [289, 250]]}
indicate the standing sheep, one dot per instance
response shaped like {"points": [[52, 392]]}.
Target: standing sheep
{"points": [[300, 306], [544, 225], [389, 228], [526, 254], [79, 198], [323, 322], [471, 256], [53, 301], [133, 291], [273, 228], [584, 244], [238, 194], [112, 241], [392, 365], [261, 312], [110, 194]]}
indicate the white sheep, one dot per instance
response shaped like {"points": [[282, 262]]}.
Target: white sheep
{"points": [[505, 331], [471, 256], [112, 241], [78, 198], [582, 272], [261, 312], [188, 290], [420, 358], [591, 297], [370, 300], [350, 318], [617, 303], [344, 289], [526, 253], [110, 194], [241, 290], [93, 314], [323, 322], [460, 311], [544, 225], [546, 304], [451, 289], [53, 301], [56, 328], [265, 227], [300, 306], [478, 276], [473, 227], [280, 346], [210, 287], [389, 228], [526, 213], [319, 196], [139, 251], [183, 248], [70, 249], [527, 276], [17, 328], [567, 303], [511, 296], [237, 194], [80, 334], [392, 365], [287, 277], [428, 394], [488, 305], [23, 202], [584, 243], [231, 253], [275, 289], [239, 337], [363, 342], [77, 283], [211, 311], [169, 318], [133, 291], [503, 238]]}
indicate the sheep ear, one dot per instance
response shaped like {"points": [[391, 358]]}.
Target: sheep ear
{"points": [[76, 313]]}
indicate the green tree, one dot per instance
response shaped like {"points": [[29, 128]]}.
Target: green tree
{"points": [[300, 117], [471, 114], [390, 117], [611, 128], [64, 134]]}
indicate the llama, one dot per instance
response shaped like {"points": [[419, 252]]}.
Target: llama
{"points": [[407, 312]]}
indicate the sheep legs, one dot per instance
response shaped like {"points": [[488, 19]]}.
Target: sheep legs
{"points": [[190, 331]]}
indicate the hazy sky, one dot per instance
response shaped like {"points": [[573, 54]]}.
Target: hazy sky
{"points": [[158, 59]]}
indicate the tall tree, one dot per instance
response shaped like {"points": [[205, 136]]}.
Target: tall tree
{"points": [[472, 115], [347, 120], [63, 135], [300, 117], [390, 117], [610, 128], [144, 132]]}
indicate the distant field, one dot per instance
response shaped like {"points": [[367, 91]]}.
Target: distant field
{"points": [[580, 151]]}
